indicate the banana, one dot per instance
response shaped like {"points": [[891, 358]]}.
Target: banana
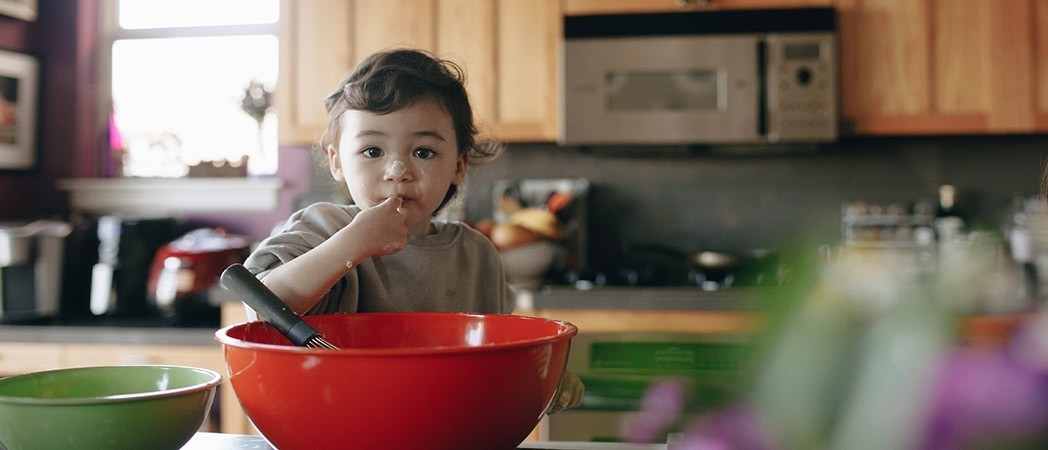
{"points": [[538, 221]]}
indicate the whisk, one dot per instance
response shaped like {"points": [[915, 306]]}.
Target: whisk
{"points": [[240, 281]]}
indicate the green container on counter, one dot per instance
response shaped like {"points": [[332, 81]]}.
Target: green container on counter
{"points": [[111, 407]]}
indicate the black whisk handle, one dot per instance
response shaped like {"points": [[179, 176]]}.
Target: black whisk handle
{"points": [[242, 282]]}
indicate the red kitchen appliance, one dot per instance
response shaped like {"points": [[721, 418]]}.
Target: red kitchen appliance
{"points": [[185, 270]]}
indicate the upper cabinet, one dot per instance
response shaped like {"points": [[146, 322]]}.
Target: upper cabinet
{"points": [[935, 67], [507, 49], [582, 7], [908, 67], [919, 67]]}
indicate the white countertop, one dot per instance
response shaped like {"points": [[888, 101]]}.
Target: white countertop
{"points": [[219, 441]]}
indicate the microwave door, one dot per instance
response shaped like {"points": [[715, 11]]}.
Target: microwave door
{"points": [[662, 90]]}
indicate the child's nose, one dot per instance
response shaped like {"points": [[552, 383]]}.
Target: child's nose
{"points": [[396, 170]]}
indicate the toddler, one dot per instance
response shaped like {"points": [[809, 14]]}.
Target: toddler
{"points": [[400, 137]]}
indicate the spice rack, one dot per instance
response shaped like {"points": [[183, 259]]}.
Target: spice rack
{"points": [[892, 226]]}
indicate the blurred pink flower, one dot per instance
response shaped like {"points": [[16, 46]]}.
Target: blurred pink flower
{"points": [[732, 428], [660, 409], [988, 395]]}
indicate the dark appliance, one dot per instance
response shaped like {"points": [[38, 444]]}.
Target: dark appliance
{"points": [[125, 253], [656, 265], [31, 269]]}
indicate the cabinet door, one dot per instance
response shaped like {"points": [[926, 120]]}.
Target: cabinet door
{"points": [[208, 357], [582, 7], [383, 24], [939, 66], [465, 36], [320, 42], [315, 53], [1040, 63], [529, 35], [508, 49]]}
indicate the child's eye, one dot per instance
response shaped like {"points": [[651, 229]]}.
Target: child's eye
{"points": [[425, 153], [372, 152]]}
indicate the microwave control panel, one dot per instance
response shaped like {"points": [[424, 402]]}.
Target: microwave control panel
{"points": [[801, 86]]}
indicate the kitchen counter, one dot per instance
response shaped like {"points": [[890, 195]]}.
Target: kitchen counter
{"points": [[216, 441], [100, 334], [641, 298], [680, 309], [609, 299]]}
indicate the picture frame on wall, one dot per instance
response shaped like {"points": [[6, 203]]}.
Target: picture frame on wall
{"points": [[19, 74], [19, 9]]}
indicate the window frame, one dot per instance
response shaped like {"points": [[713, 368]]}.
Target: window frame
{"points": [[108, 193], [110, 32]]}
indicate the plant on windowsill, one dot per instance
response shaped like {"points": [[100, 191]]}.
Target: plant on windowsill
{"points": [[257, 102]]}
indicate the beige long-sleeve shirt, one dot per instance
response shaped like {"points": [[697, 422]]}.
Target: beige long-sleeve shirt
{"points": [[455, 269]]}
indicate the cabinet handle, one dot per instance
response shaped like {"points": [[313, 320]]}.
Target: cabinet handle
{"points": [[684, 3]]}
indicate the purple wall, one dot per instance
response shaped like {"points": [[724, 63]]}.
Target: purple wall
{"points": [[63, 39]]}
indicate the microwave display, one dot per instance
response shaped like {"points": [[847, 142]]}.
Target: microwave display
{"points": [[802, 51], [682, 90]]}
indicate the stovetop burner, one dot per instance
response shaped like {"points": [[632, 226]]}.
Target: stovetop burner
{"points": [[660, 266], [707, 280]]}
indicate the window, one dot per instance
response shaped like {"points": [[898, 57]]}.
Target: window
{"points": [[190, 83]]}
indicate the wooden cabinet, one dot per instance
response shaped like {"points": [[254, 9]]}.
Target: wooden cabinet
{"points": [[234, 420], [24, 357], [943, 66], [582, 7], [315, 53], [122, 355], [508, 49], [920, 67]]}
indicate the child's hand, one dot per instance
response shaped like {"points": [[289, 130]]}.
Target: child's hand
{"points": [[569, 393], [383, 227]]}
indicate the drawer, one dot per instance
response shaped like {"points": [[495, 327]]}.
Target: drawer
{"points": [[18, 358], [109, 354]]}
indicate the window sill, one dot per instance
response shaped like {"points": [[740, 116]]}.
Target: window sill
{"points": [[143, 196]]}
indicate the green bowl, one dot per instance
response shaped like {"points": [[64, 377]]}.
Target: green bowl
{"points": [[112, 407]]}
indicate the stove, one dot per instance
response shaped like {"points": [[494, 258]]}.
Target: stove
{"points": [[655, 265]]}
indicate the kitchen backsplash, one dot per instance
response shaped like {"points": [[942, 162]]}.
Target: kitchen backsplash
{"points": [[695, 200]]}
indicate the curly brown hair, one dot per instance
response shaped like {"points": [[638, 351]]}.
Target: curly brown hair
{"points": [[389, 80]]}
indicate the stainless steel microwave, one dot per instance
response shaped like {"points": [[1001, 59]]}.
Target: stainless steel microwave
{"points": [[723, 77]]}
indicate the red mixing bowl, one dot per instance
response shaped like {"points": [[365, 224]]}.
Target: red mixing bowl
{"points": [[400, 381]]}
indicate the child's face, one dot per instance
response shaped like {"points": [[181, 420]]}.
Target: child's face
{"points": [[411, 153]]}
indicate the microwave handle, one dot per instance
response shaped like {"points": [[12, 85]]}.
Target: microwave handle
{"points": [[762, 87]]}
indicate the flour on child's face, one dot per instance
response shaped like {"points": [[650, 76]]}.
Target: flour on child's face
{"points": [[411, 153]]}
